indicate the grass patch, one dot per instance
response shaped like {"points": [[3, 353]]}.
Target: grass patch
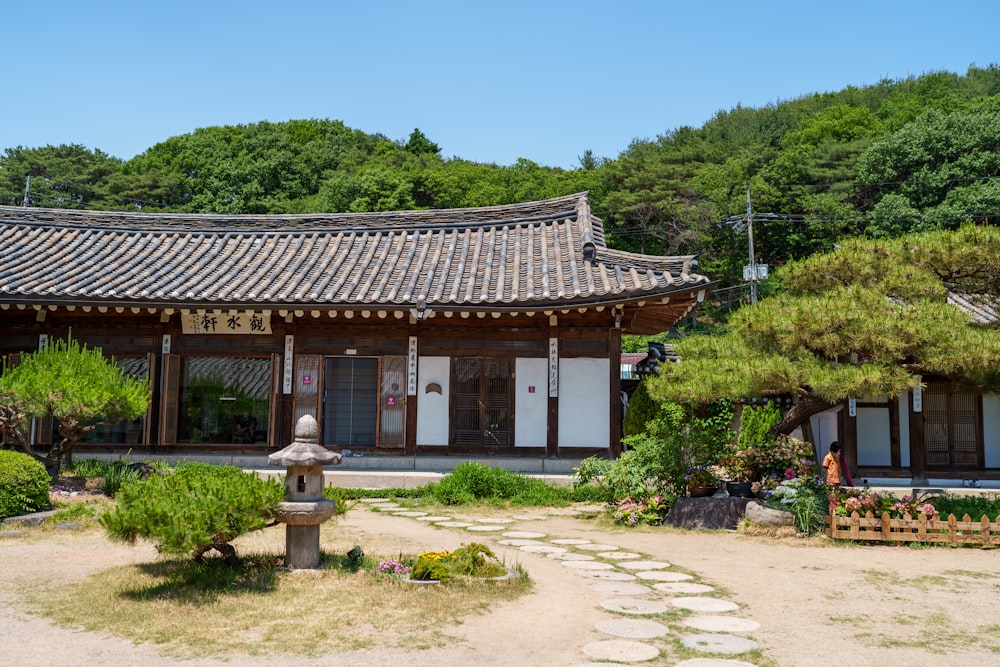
{"points": [[193, 609]]}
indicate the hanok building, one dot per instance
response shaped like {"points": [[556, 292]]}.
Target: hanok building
{"points": [[473, 331]]}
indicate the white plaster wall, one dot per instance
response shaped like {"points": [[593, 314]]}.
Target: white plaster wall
{"points": [[432, 408], [584, 402], [991, 430], [874, 448], [824, 426], [531, 408]]}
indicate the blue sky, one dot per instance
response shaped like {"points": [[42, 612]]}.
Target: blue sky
{"points": [[487, 81]]}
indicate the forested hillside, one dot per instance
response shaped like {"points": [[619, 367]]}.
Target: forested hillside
{"points": [[908, 155]]}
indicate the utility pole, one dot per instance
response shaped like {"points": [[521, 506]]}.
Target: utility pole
{"points": [[753, 260]]}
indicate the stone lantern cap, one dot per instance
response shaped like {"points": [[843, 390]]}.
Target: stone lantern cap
{"points": [[304, 450]]}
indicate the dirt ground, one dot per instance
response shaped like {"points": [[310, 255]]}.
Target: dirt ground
{"points": [[818, 603]]}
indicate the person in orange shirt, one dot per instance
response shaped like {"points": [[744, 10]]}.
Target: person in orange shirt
{"points": [[832, 464]]}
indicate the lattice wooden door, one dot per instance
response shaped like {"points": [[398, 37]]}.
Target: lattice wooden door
{"points": [[482, 402]]}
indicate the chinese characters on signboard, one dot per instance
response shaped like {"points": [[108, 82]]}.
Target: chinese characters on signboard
{"points": [[411, 368], [286, 378], [225, 322], [553, 367]]}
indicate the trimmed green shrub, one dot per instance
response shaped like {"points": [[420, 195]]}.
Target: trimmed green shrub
{"points": [[24, 484], [471, 481], [195, 508], [641, 410]]}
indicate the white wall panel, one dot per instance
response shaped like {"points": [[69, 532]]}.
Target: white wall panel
{"points": [[432, 407], [531, 402], [584, 402]]}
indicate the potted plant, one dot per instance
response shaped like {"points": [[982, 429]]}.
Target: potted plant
{"points": [[701, 481]]}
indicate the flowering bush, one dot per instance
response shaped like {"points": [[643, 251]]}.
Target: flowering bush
{"points": [[804, 496], [394, 567], [845, 501], [471, 560], [649, 511], [701, 476]]}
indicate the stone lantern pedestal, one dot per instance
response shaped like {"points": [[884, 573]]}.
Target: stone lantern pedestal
{"points": [[304, 508]]}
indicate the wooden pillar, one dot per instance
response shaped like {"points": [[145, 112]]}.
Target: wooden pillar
{"points": [[850, 437], [895, 456], [916, 443], [552, 435], [410, 419], [615, 349]]}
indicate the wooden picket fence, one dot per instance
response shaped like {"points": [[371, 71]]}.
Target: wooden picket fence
{"points": [[964, 532]]}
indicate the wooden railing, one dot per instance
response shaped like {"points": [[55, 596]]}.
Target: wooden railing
{"points": [[906, 529]]}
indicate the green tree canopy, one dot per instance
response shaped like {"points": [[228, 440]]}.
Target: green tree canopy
{"points": [[864, 320], [77, 386]]}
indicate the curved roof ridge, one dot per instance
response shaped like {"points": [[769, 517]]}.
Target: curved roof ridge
{"points": [[540, 212]]}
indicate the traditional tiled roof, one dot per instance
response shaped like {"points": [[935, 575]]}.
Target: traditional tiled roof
{"points": [[545, 254], [982, 309]]}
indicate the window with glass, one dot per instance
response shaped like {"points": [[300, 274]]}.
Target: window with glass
{"points": [[224, 400], [128, 431]]}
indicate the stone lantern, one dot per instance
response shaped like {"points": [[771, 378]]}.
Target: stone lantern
{"points": [[304, 508]]}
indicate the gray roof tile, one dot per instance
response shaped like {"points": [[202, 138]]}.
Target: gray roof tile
{"points": [[541, 254]]}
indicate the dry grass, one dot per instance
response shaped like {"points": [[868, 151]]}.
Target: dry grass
{"points": [[260, 609]]}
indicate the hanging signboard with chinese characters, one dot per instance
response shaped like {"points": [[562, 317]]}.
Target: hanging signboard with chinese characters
{"points": [[553, 367], [226, 322], [411, 368]]}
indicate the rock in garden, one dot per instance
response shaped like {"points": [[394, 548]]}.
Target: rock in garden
{"points": [[765, 516], [711, 513]]}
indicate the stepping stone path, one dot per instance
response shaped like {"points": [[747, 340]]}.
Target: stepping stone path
{"points": [[616, 573]]}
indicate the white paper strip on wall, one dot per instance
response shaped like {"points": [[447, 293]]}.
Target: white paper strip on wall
{"points": [[43, 341], [852, 407], [165, 347], [918, 399], [411, 368], [553, 367], [288, 374]]}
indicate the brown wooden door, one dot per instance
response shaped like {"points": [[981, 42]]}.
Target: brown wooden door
{"points": [[952, 427], [481, 405]]}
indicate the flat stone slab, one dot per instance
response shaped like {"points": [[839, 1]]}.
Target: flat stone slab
{"points": [[660, 575], [713, 662], [11, 533], [621, 588], [590, 546], [526, 534], [521, 543], [643, 564], [479, 528], [587, 565], [619, 555], [543, 549], [632, 628], [434, 518], [384, 506], [570, 541], [503, 521], [716, 643], [721, 624], [621, 650], [527, 517], [606, 575], [707, 605], [453, 524], [635, 606], [683, 587], [571, 556], [410, 513]]}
